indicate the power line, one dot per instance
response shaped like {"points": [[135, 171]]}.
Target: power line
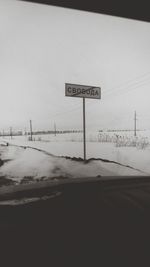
{"points": [[64, 112], [128, 88], [130, 82], [132, 85]]}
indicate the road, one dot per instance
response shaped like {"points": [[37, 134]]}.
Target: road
{"points": [[92, 223]]}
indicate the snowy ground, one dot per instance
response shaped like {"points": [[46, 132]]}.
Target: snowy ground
{"points": [[32, 164]]}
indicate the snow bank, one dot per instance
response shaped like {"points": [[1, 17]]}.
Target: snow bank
{"points": [[30, 163], [36, 164]]}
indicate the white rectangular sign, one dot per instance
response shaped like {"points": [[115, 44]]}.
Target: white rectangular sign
{"points": [[76, 90]]}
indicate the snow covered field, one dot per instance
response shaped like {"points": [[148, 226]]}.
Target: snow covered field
{"points": [[44, 158]]}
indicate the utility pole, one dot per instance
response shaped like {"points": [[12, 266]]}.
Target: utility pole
{"points": [[31, 130], [11, 132], [55, 128], [135, 119], [25, 133]]}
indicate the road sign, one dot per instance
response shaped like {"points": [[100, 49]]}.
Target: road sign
{"points": [[84, 91], [76, 90]]}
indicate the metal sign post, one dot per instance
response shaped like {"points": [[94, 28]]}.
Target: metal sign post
{"points": [[83, 91], [84, 129]]}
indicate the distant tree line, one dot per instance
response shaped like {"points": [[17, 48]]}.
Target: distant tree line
{"points": [[125, 130], [20, 133], [55, 132], [13, 133]]}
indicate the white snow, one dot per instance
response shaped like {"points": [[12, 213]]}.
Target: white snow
{"points": [[23, 201], [38, 164]]}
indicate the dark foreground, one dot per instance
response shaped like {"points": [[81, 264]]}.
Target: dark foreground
{"points": [[99, 223]]}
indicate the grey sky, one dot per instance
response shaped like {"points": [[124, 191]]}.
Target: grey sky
{"points": [[43, 47]]}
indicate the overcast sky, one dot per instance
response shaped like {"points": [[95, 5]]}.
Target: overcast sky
{"points": [[43, 47]]}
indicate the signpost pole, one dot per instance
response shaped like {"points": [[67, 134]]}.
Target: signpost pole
{"points": [[84, 91], [84, 133]]}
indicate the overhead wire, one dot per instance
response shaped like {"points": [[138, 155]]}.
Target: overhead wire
{"points": [[132, 84], [129, 89], [61, 113], [128, 83]]}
